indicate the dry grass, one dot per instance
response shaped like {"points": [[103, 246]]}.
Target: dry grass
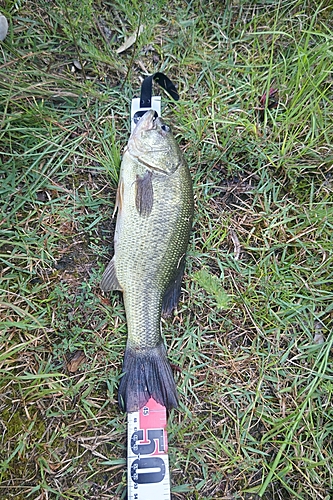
{"points": [[252, 333]]}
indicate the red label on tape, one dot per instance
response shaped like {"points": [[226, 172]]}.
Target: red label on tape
{"points": [[148, 466]]}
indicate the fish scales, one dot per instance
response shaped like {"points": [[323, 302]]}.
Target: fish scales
{"points": [[155, 209], [153, 258]]}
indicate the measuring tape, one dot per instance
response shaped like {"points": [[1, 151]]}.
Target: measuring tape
{"points": [[148, 476]]}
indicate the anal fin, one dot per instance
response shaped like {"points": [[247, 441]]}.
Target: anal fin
{"points": [[109, 279], [172, 293]]}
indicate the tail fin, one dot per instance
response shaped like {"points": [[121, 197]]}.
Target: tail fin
{"points": [[147, 373]]}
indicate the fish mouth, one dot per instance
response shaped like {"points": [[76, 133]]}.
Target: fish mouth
{"points": [[146, 122], [136, 145]]}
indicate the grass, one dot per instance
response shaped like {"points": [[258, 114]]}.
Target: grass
{"points": [[252, 333]]}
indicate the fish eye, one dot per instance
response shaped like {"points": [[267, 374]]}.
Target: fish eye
{"points": [[165, 128]]}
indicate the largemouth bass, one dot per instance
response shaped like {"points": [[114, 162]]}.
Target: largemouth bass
{"points": [[155, 208]]}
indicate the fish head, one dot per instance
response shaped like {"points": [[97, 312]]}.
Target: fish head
{"points": [[153, 144]]}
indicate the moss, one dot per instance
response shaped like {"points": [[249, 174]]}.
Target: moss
{"points": [[19, 441]]}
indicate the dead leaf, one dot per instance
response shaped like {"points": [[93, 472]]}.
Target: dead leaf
{"points": [[272, 101], [318, 337], [235, 240], [77, 65], [76, 360], [268, 103], [130, 40], [3, 27]]}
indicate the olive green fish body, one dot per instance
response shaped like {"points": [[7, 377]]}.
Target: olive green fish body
{"points": [[155, 208]]}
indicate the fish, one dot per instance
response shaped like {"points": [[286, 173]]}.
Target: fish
{"points": [[154, 205]]}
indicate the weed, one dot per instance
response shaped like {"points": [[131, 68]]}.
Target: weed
{"points": [[252, 332]]}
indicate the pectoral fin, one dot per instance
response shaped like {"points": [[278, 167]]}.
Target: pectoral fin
{"points": [[144, 196], [171, 295], [109, 280]]}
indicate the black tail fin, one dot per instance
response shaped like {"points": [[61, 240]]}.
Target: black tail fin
{"points": [[147, 373]]}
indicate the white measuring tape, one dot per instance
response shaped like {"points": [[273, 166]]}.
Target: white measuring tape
{"points": [[148, 476], [155, 105]]}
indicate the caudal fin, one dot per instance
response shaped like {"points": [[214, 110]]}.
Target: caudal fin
{"points": [[147, 373]]}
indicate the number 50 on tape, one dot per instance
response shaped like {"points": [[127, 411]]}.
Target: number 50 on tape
{"points": [[147, 457]]}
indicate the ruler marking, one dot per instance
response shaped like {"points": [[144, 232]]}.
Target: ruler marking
{"points": [[148, 463]]}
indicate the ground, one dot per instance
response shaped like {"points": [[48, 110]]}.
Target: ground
{"points": [[251, 339]]}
